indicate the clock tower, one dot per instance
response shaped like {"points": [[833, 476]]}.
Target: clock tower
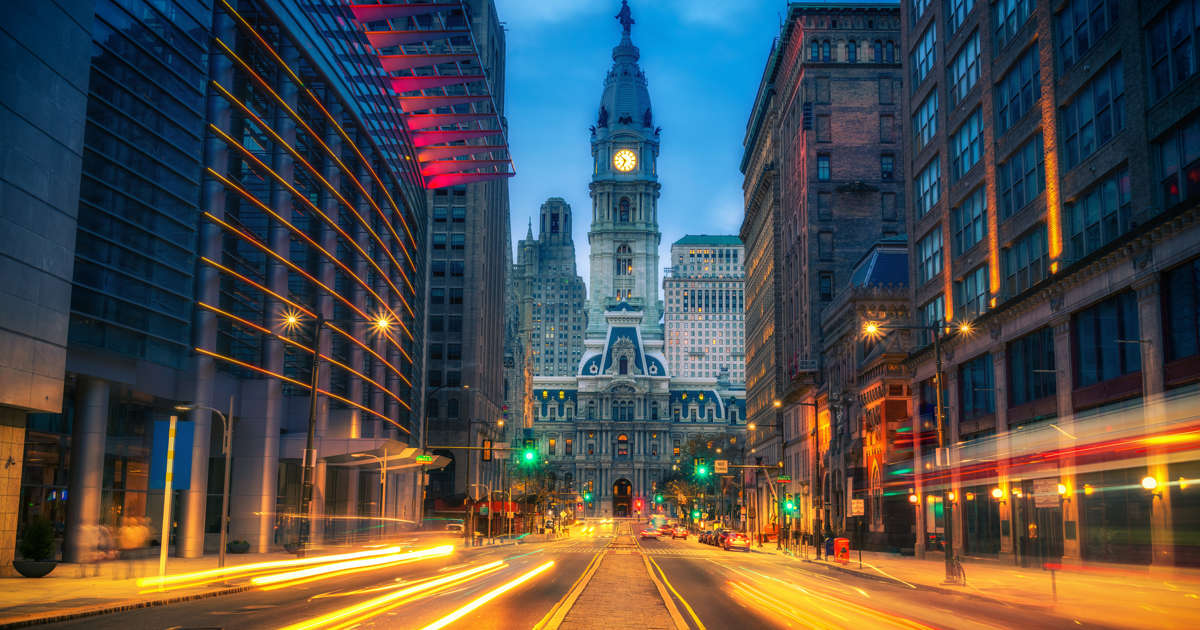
{"points": [[624, 237]]}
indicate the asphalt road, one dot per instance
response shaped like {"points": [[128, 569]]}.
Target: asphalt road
{"points": [[712, 589]]}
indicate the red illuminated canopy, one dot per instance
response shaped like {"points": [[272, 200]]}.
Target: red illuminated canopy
{"points": [[438, 79]]}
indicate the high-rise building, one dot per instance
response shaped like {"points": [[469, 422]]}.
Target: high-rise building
{"points": [[616, 424], [1052, 188], [833, 86], [464, 372], [251, 241], [551, 293], [704, 309]]}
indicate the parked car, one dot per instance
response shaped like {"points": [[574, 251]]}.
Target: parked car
{"points": [[679, 532], [649, 532], [736, 540]]}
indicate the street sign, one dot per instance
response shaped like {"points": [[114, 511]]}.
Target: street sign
{"points": [[483, 510], [500, 446], [783, 479], [181, 471], [721, 466], [425, 459], [857, 508]]}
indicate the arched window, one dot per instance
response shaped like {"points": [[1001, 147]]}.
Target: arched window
{"points": [[591, 410], [825, 50], [624, 261], [815, 50], [890, 55], [877, 50], [622, 444], [623, 210], [432, 410], [654, 411], [852, 51]]}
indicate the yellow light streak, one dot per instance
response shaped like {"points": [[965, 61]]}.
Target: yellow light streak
{"points": [[487, 597], [259, 566], [348, 565], [372, 605]]}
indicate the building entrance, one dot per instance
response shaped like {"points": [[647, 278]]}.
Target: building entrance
{"points": [[622, 498]]}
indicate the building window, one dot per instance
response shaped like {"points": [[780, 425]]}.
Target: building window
{"points": [[1100, 214], [552, 446], [1080, 25], [969, 221], [624, 261], [454, 323], [887, 166], [975, 391], [438, 268], [823, 128], [435, 378], [929, 253], [964, 70], [823, 168], [458, 241], [957, 14], [439, 240], [929, 187], [439, 214], [822, 89], [1022, 177], [825, 245], [1008, 16], [824, 206], [917, 9], [889, 51], [826, 286], [971, 293], [1026, 262], [1171, 43], [877, 55], [623, 211], [814, 53], [1017, 91], [966, 145], [456, 296], [886, 90], [931, 313], [825, 56], [454, 352], [1177, 157], [435, 323], [1100, 335], [887, 128], [437, 295], [852, 51], [1181, 306], [458, 214], [457, 267], [1031, 373], [622, 445], [887, 202], [1095, 115], [924, 55], [924, 121]]}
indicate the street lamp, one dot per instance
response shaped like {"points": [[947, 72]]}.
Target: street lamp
{"points": [[874, 330], [226, 448], [292, 320]]}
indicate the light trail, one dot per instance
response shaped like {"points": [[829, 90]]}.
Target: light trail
{"points": [[487, 597], [212, 575], [378, 604], [351, 566]]}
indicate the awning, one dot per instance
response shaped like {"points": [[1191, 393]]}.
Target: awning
{"points": [[390, 453], [437, 78]]}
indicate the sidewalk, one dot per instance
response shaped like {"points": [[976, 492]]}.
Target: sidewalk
{"points": [[1107, 594]]}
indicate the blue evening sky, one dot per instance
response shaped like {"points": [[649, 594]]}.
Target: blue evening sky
{"points": [[703, 60]]}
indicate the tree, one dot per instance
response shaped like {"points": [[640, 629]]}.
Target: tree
{"points": [[686, 484]]}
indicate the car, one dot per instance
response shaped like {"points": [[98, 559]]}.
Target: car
{"points": [[679, 532], [736, 540], [703, 537], [666, 530], [649, 532], [456, 528], [719, 538]]}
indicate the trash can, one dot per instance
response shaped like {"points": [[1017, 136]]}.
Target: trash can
{"points": [[828, 547], [841, 550]]}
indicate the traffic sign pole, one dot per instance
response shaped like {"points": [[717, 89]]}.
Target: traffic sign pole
{"points": [[166, 522]]}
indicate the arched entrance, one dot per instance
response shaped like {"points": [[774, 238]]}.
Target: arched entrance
{"points": [[622, 498]]}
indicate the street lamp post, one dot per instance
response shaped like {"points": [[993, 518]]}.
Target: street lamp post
{"points": [[226, 448], [942, 455]]}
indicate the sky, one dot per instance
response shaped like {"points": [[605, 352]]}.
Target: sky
{"points": [[703, 60]]}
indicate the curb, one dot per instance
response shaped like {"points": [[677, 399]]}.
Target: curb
{"points": [[103, 609]]}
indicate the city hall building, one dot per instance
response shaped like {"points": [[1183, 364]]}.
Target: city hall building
{"points": [[615, 425]]}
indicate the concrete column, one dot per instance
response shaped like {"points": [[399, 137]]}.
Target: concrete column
{"points": [[1000, 381], [1065, 380], [87, 468], [1162, 530], [256, 460]]}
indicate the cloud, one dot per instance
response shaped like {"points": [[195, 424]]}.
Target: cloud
{"points": [[713, 13], [542, 12]]}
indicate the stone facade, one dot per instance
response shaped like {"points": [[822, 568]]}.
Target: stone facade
{"points": [[705, 308]]}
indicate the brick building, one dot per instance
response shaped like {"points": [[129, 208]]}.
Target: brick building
{"points": [[1053, 204]]}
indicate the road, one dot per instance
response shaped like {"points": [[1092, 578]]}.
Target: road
{"points": [[711, 588]]}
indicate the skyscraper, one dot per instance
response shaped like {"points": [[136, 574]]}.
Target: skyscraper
{"points": [[704, 308]]}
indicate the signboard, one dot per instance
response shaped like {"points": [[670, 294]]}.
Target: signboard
{"points": [[1045, 493], [181, 477], [425, 459], [483, 510], [783, 479], [500, 446], [721, 466], [857, 508]]}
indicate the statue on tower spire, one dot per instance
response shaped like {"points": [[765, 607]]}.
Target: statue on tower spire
{"points": [[625, 17]]}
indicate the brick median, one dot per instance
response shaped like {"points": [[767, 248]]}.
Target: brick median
{"points": [[620, 595]]}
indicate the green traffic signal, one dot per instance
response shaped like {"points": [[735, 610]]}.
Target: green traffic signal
{"points": [[658, 498], [587, 496], [695, 513], [789, 506], [529, 455], [701, 471]]}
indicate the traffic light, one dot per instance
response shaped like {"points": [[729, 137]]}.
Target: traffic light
{"points": [[701, 468], [695, 513], [529, 451], [487, 450], [789, 504], [658, 498], [587, 496], [637, 504]]}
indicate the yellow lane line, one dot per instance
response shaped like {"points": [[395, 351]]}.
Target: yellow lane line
{"points": [[695, 618], [557, 613]]}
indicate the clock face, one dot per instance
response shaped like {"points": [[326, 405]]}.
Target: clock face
{"points": [[624, 160]]}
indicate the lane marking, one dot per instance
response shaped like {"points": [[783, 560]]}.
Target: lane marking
{"points": [[557, 613], [683, 601], [680, 624], [487, 597]]}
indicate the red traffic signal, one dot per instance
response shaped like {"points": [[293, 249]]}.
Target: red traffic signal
{"points": [[579, 507]]}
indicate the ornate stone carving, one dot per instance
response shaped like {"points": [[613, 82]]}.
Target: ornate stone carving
{"points": [[623, 349]]}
